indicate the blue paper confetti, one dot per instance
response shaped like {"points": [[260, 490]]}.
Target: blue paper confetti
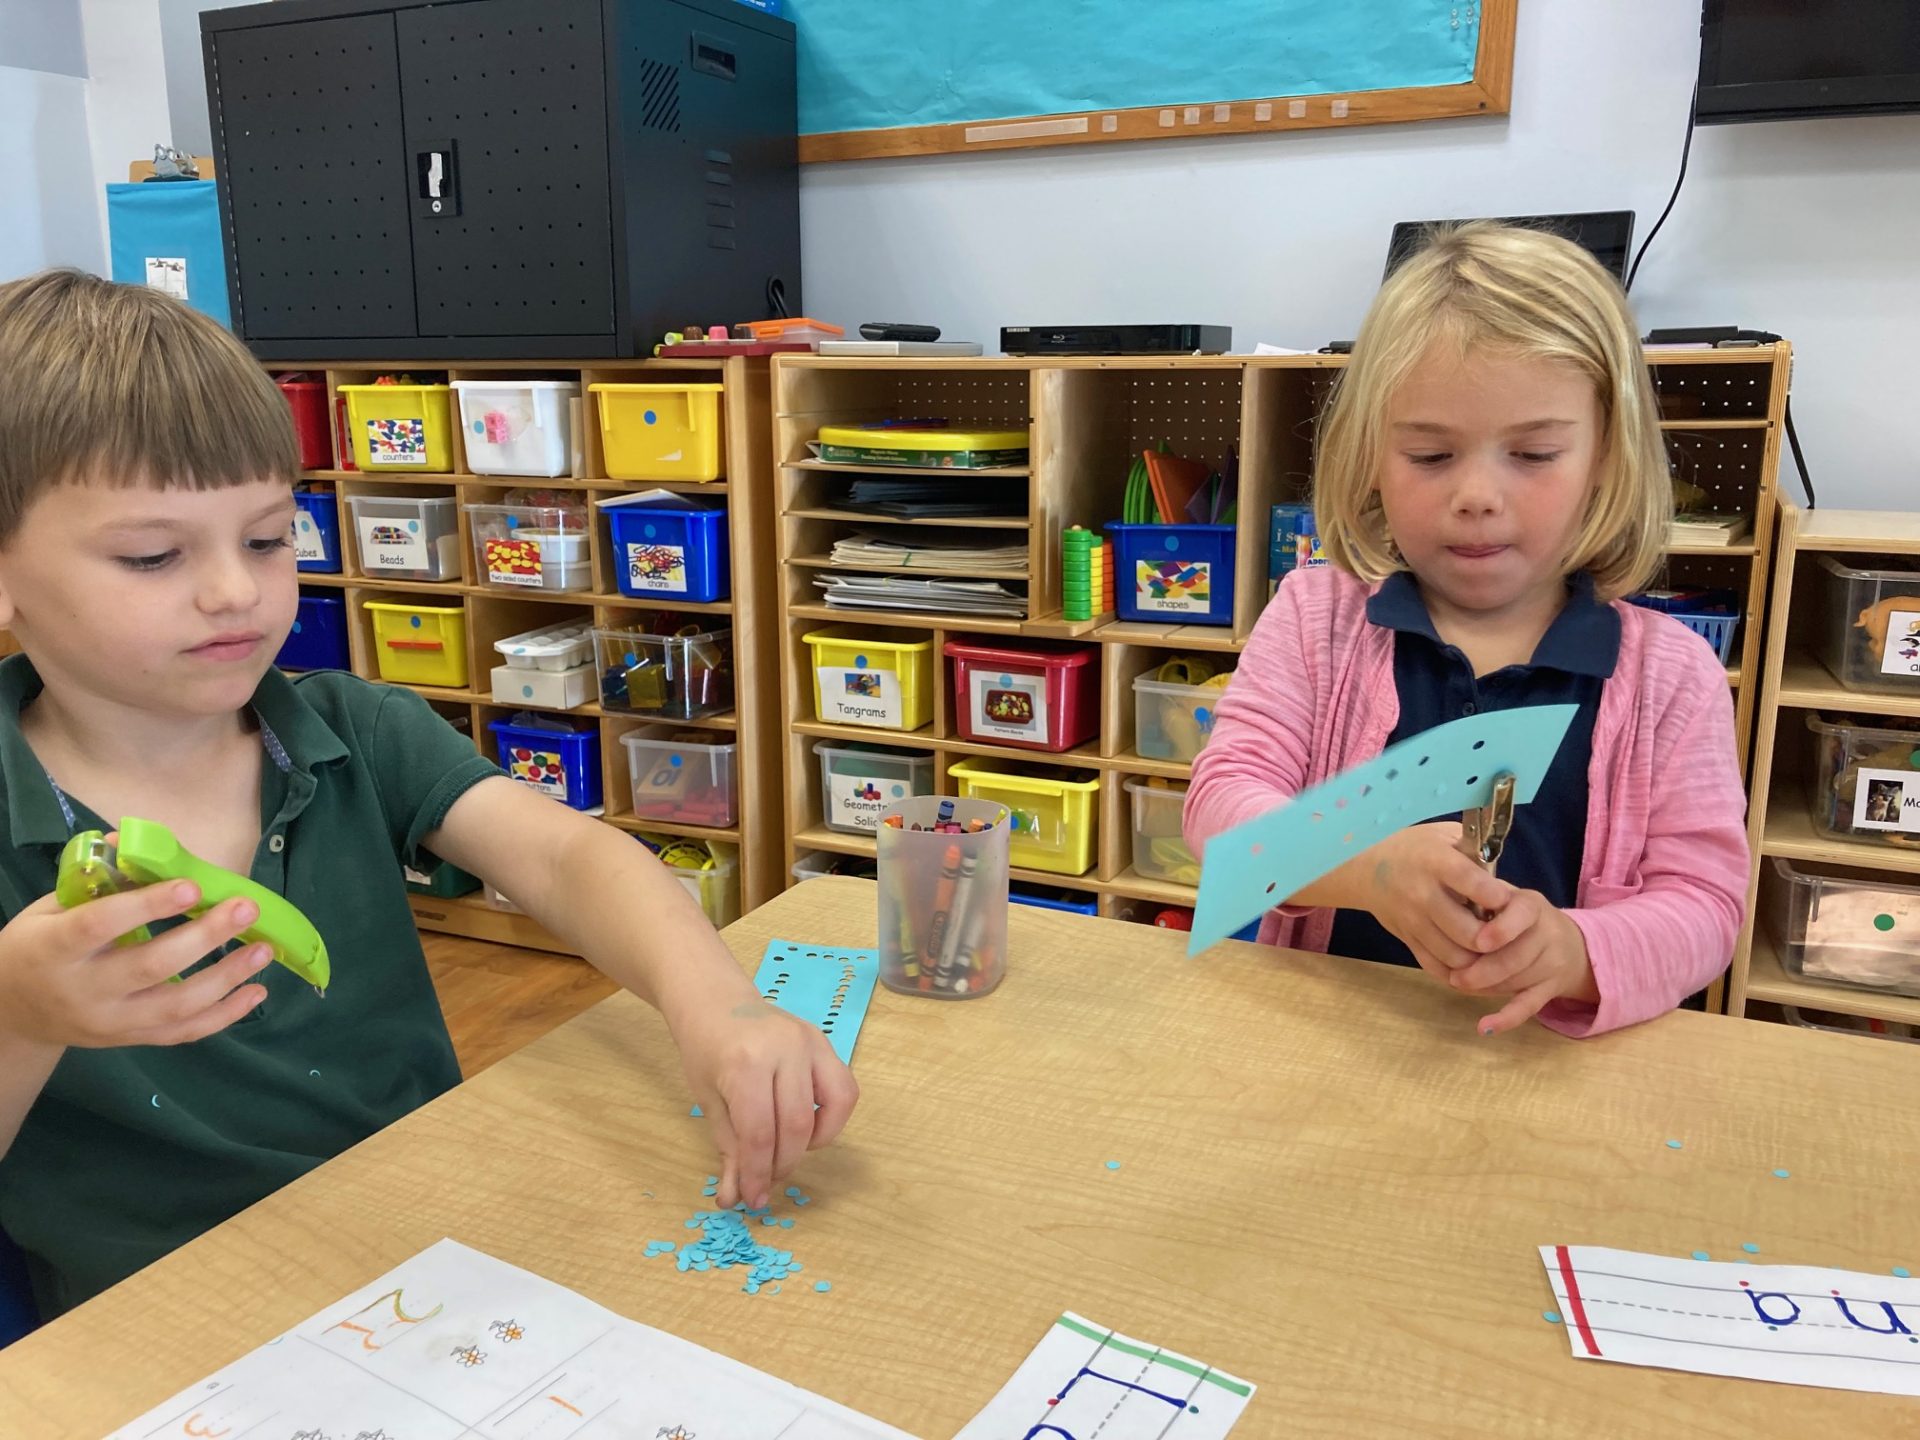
{"points": [[1751, 1248], [1701, 1255], [1552, 1317], [1903, 1272], [1113, 1164], [822, 1286], [1673, 1144], [1781, 1174], [726, 1243]]}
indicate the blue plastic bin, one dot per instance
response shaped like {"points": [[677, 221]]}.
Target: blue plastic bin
{"points": [[1710, 614], [672, 547], [1173, 574], [319, 637], [1045, 897], [553, 757], [316, 531]]}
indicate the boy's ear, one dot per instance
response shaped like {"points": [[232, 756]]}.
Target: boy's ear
{"points": [[6, 601]]}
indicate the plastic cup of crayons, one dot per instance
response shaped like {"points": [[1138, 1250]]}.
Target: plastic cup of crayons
{"points": [[943, 896]]}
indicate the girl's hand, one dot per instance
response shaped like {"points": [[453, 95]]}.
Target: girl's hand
{"points": [[1419, 884], [758, 1073], [1533, 952]]}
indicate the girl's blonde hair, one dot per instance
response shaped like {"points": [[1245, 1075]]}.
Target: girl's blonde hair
{"points": [[1517, 292]]}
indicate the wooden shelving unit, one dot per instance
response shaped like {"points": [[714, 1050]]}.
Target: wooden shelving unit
{"points": [[1722, 412], [1796, 683], [492, 614]]}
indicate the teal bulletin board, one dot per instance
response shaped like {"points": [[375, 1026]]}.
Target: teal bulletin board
{"points": [[916, 77]]}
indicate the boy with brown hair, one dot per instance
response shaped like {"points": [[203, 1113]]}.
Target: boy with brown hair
{"points": [[146, 469]]}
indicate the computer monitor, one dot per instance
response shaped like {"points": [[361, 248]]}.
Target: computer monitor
{"points": [[1606, 234]]}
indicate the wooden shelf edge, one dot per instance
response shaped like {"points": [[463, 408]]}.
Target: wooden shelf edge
{"points": [[471, 917]]}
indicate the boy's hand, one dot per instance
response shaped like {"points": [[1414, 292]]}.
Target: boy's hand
{"points": [[63, 981], [1533, 952], [1420, 883], [758, 1073]]}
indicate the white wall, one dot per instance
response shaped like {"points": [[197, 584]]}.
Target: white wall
{"points": [[1807, 228], [49, 217], [126, 90]]}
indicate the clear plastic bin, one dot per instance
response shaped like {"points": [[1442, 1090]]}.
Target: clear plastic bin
{"points": [[531, 547], [857, 782], [400, 427], [868, 679], [1866, 782], [420, 644], [661, 432], [518, 427], [1842, 926], [686, 779], [408, 537], [1054, 812], [1872, 636], [1833, 1023], [1159, 850], [709, 871], [552, 667], [677, 676], [1173, 722]]}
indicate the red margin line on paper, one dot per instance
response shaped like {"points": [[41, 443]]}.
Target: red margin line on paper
{"points": [[1573, 1299]]}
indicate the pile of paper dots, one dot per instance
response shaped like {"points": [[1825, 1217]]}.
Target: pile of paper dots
{"points": [[726, 1242]]}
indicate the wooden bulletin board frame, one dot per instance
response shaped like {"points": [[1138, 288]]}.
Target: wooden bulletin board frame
{"points": [[1490, 92]]}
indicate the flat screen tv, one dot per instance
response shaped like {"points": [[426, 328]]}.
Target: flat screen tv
{"points": [[1794, 59]]}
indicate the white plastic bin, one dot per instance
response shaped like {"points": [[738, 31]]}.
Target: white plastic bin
{"points": [[518, 427], [552, 667]]}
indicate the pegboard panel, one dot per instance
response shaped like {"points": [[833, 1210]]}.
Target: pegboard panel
{"points": [[1724, 463], [1196, 412], [1713, 392], [1000, 399], [316, 178], [1712, 572], [518, 87]]}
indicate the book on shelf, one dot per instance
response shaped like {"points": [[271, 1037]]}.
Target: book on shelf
{"points": [[1694, 527], [932, 549], [896, 592]]}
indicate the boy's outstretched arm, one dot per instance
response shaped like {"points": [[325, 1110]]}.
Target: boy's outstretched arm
{"points": [[756, 1071]]}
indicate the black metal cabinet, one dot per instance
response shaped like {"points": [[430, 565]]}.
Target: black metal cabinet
{"points": [[501, 178]]}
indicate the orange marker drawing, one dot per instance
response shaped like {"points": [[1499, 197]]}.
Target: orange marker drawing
{"points": [[192, 1427], [400, 1317], [563, 1404]]}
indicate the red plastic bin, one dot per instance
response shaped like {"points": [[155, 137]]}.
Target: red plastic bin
{"points": [[1039, 695], [308, 401]]}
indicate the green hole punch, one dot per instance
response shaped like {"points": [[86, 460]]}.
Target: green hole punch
{"points": [[148, 853]]}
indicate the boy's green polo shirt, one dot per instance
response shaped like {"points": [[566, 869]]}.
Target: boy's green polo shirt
{"points": [[130, 1152]]}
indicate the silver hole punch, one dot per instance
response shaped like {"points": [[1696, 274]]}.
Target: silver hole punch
{"points": [[1484, 832]]}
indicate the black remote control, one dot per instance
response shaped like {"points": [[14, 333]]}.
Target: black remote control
{"points": [[884, 330]]}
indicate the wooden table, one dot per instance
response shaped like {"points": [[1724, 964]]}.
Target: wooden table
{"points": [[1330, 1186]]}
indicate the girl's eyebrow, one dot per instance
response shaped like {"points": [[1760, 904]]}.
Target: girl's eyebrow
{"points": [[1436, 427]]}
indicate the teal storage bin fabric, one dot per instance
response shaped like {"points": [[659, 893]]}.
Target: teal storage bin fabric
{"points": [[167, 235]]}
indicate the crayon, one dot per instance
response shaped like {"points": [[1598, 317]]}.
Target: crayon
{"points": [[966, 920], [941, 917]]}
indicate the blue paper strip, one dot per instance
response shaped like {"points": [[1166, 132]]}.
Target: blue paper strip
{"points": [[1248, 870], [827, 987]]}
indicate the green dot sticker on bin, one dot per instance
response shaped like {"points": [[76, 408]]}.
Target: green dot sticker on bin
{"points": [[1883, 923]]}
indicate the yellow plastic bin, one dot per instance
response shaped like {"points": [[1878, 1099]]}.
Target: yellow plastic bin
{"points": [[871, 680], [401, 427], [420, 644], [1054, 812], [661, 432]]}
